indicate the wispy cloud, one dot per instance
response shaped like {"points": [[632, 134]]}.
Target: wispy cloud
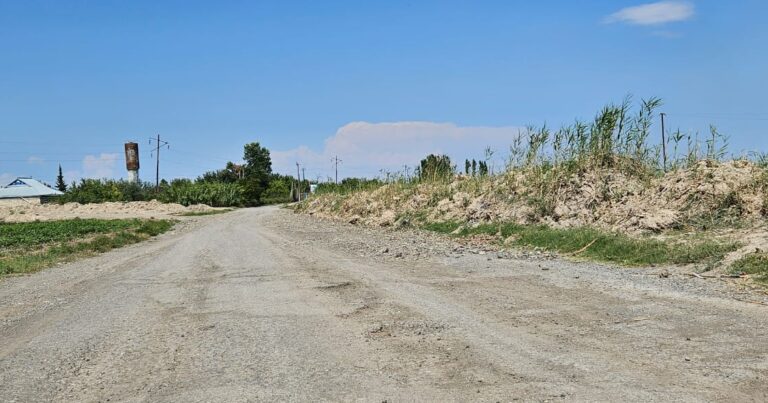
{"points": [[653, 13], [34, 160], [101, 166], [366, 148]]}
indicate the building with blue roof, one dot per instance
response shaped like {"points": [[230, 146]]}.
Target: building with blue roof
{"points": [[27, 190]]}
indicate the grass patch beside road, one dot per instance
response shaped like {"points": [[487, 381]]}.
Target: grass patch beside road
{"points": [[27, 247], [594, 244], [755, 264]]}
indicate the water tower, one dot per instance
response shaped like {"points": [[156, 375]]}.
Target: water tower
{"points": [[132, 161]]}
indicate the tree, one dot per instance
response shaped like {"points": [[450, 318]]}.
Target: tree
{"points": [[278, 190], [60, 184], [435, 167], [258, 167], [230, 174], [467, 166], [474, 167], [483, 168]]}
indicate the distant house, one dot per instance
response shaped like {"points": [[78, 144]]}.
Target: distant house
{"points": [[27, 190]]}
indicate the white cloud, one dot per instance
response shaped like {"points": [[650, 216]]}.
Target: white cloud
{"points": [[366, 148], [653, 13], [35, 160], [101, 166], [71, 176]]}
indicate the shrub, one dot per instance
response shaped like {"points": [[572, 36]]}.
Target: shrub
{"points": [[214, 194], [349, 185], [182, 191], [99, 191]]}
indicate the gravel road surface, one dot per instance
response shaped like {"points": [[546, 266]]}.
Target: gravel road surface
{"points": [[266, 305]]}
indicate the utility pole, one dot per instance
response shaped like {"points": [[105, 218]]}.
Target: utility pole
{"points": [[664, 141], [158, 144], [298, 178], [336, 161]]}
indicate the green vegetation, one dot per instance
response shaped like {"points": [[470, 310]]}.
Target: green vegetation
{"points": [[61, 186], [182, 191], [27, 247], [594, 244], [279, 189], [348, 185], [617, 140], [611, 156], [755, 264], [251, 184], [434, 168], [214, 194]]}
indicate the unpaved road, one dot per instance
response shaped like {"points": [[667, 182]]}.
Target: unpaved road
{"points": [[264, 305]]}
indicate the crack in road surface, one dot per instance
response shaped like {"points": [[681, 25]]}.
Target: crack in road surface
{"points": [[264, 305]]}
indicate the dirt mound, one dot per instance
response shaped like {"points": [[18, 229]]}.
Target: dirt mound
{"points": [[109, 210], [707, 194]]}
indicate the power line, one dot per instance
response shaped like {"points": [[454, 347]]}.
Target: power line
{"points": [[724, 116], [206, 156], [34, 153], [54, 143]]}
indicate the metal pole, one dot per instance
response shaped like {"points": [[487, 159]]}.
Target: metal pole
{"points": [[157, 167], [664, 141], [298, 178], [336, 161]]}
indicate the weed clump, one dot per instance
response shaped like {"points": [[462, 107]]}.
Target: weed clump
{"points": [[593, 243], [755, 264]]}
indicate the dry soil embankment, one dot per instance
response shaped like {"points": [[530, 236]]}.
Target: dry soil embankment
{"points": [[110, 210], [725, 200]]}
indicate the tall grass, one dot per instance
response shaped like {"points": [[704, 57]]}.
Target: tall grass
{"points": [[620, 140]]}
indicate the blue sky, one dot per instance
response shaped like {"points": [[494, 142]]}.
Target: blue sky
{"points": [[378, 83]]}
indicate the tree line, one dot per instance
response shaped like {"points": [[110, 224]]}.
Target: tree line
{"points": [[236, 185]]}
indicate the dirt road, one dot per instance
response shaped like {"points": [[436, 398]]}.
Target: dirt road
{"points": [[265, 305]]}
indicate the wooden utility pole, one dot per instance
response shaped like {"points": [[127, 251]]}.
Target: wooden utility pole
{"points": [[663, 141], [158, 144]]}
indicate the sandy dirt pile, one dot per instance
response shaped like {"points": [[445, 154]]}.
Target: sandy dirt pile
{"points": [[608, 199], [110, 210]]}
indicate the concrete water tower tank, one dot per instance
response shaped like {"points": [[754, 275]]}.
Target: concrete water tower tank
{"points": [[132, 161]]}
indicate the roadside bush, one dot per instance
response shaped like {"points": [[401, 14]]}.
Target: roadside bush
{"points": [[215, 194], [100, 191], [278, 191], [435, 167], [349, 185], [182, 191]]}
